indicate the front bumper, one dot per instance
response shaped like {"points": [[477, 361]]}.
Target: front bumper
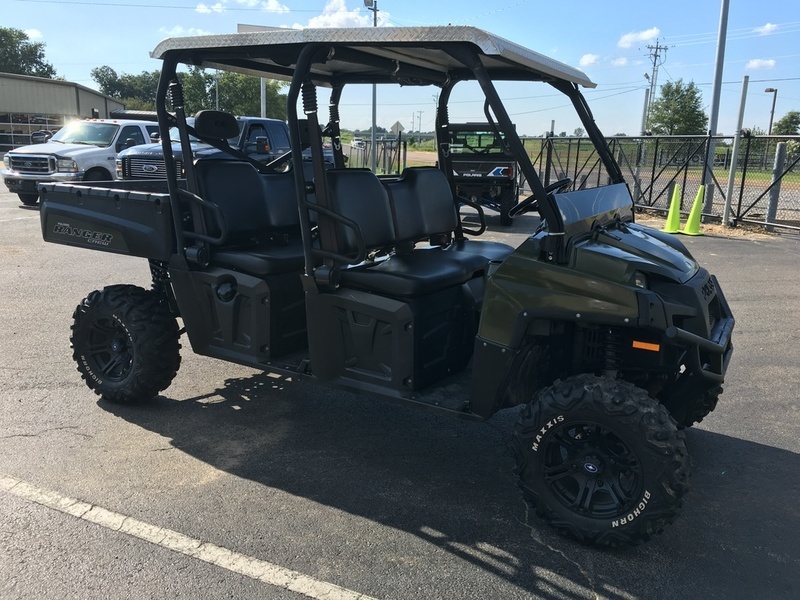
{"points": [[708, 357], [25, 183]]}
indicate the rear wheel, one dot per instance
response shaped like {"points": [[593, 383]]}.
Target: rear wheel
{"points": [[125, 343], [28, 199], [601, 461]]}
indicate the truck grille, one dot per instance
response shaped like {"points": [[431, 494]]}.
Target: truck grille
{"points": [[146, 168], [36, 164]]}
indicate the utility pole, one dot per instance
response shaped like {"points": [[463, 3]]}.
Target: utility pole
{"points": [[657, 60], [419, 125], [373, 6]]}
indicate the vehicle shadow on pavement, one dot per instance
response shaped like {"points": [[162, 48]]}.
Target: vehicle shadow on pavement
{"points": [[450, 483]]}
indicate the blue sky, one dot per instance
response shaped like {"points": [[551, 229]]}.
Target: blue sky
{"points": [[608, 40]]}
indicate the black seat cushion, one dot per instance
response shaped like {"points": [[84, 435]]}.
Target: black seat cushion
{"points": [[415, 274], [262, 261], [491, 251]]}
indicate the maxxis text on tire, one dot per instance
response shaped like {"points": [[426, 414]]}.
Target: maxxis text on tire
{"points": [[125, 343], [601, 461]]}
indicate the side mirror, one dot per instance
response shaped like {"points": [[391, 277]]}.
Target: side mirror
{"points": [[155, 137]]}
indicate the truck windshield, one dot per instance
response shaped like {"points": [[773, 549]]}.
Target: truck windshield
{"points": [[87, 132]]}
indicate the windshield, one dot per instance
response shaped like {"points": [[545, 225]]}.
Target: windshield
{"points": [[174, 136], [87, 132]]}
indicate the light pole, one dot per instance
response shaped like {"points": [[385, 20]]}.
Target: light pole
{"points": [[373, 6], [774, 92]]}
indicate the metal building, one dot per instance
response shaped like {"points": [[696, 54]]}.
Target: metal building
{"points": [[30, 104]]}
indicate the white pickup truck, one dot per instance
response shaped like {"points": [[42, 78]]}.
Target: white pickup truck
{"points": [[84, 150]]}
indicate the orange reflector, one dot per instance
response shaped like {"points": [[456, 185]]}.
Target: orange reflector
{"points": [[646, 346]]}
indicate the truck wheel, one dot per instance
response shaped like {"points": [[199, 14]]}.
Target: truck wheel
{"points": [[601, 461], [28, 199], [508, 200], [97, 175], [125, 343]]}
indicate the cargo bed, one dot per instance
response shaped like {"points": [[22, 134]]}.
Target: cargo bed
{"points": [[110, 217]]}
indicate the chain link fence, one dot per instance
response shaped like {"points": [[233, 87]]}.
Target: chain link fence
{"points": [[760, 185]]}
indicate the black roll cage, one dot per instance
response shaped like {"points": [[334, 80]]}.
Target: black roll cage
{"points": [[303, 89]]}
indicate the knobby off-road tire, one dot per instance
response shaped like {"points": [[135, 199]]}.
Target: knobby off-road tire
{"points": [[601, 461], [694, 411], [125, 343], [508, 200]]}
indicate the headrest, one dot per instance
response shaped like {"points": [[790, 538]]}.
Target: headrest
{"points": [[215, 125]]}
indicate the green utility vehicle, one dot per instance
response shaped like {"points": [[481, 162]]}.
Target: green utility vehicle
{"points": [[606, 336]]}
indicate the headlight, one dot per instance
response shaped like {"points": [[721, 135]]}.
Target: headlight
{"points": [[7, 161], [66, 165], [639, 279], [119, 169]]}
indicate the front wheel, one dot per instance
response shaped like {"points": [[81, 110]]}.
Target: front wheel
{"points": [[601, 461], [125, 343]]}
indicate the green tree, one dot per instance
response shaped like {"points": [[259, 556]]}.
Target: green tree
{"points": [[789, 124], [679, 110], [236, 93], [19, 55]]}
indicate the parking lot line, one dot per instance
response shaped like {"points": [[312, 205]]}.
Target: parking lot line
{"points": [[254, 568]]}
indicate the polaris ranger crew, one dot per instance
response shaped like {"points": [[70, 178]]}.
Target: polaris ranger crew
{"points": [[607, 337]]}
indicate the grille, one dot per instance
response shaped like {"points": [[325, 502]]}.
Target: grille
{"points": [[147, 168], [33, 163]]}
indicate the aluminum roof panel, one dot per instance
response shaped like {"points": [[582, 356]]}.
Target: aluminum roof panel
{"points": [[273, 51]]}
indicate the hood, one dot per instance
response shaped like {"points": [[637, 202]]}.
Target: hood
{"points": [[619, 250], [156, 151], [57, 148]]}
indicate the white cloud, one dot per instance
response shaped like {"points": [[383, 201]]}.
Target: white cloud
{"points": [[335, 14], [587, 60], [620, 62], [766, 29], [275, 6], [760, 63], [33, 34], [629, 39], [216, 8], [179, 31]]}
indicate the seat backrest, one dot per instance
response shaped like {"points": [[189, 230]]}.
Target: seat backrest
{"points": [[423, 204], [358, 195], [280, 195], [236, 188]]}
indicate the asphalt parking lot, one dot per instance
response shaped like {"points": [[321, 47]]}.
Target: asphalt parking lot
{"points": [[339, 495]]}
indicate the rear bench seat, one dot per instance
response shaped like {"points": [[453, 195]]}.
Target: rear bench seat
{"points": [[260, 211], [423, 209], [359, 195]]}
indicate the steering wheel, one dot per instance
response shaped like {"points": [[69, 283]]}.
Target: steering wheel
{"points": [[530, 202]]}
